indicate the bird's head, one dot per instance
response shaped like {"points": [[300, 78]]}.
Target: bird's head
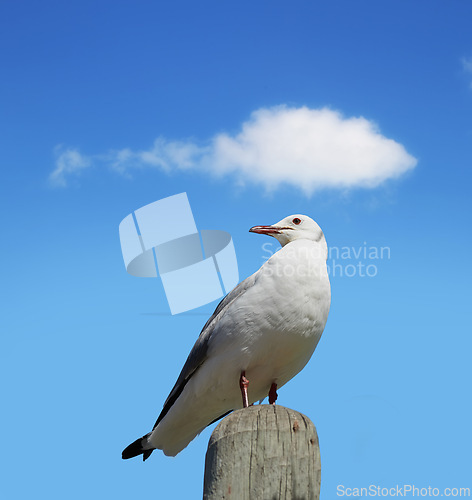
{"points": [[293, 227]]}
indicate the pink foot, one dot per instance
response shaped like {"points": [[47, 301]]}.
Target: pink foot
{"points": [[243, 385]]}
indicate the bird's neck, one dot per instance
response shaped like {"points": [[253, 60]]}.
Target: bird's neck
{"points": [[316, 250]]}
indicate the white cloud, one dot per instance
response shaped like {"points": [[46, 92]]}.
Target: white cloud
{"points": [[164, 154], [467, 65], [68, 162], [307, 148]]}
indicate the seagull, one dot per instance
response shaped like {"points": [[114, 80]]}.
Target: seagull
{"points": [[259, 337]]}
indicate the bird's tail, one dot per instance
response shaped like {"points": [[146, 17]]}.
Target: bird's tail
{"points": [[140, 447]]}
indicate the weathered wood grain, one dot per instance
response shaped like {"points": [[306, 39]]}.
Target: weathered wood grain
{"points": [[265, 452]]}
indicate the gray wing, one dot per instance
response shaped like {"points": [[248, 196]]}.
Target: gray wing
{"points": [[199, 351]]}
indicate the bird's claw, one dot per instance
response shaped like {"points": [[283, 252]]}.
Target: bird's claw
{"points": [[273, 394], [243, 385]]}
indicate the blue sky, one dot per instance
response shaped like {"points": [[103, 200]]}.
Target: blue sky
{"points": [[88, 353]]}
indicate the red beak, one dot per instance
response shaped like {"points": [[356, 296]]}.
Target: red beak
{"points": [[265, 230]]}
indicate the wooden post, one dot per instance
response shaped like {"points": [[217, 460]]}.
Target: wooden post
{"points": [[264, 452]]}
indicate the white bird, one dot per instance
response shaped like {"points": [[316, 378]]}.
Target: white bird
{"points": [[259, 337]]}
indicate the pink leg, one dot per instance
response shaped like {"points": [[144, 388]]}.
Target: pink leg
{"points": [[273, 394], [243, 384]]}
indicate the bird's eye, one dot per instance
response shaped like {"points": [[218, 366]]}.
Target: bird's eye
{"points": [[296, 221]]}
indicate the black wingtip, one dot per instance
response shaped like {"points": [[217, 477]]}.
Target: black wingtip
{"points": [[136, 448]]}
